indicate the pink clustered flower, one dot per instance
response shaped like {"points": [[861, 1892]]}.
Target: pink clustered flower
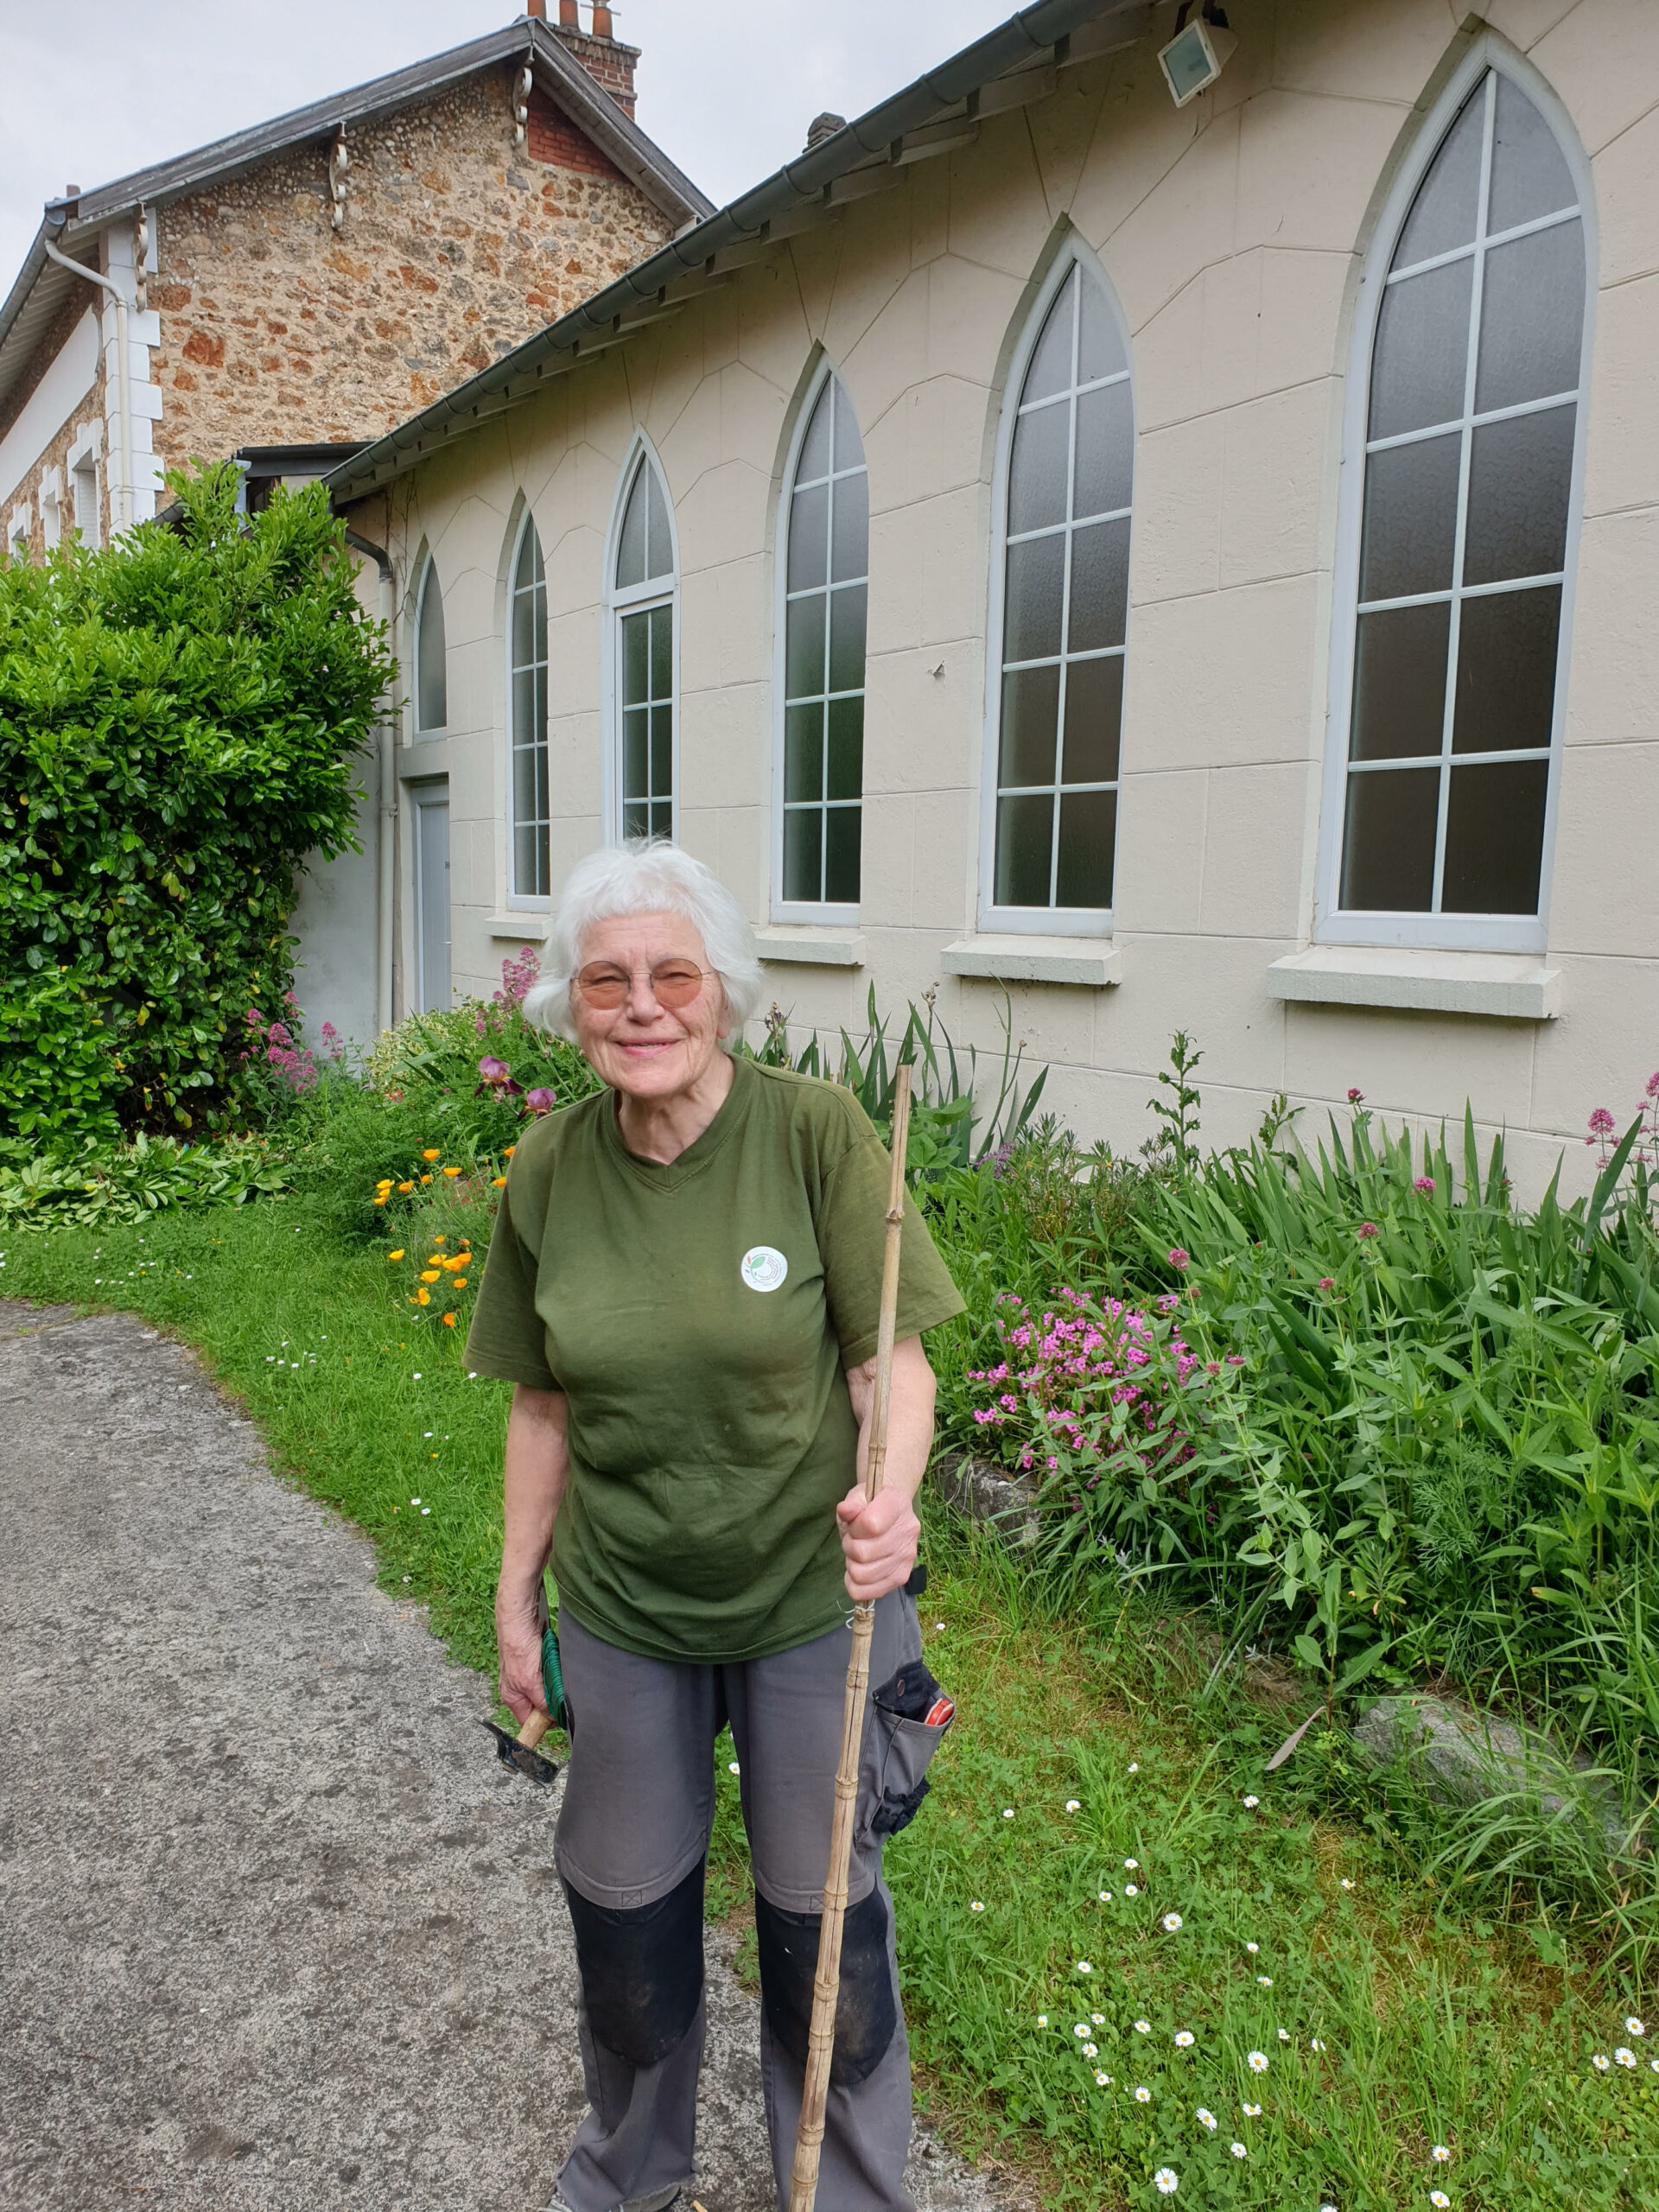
{"points": [[1424, 1183], [1177, 1258], [274, 1044], [516, 976], [1082, 1358], [1645, 1151], [1327, 1282], [1355, 1097], [1368, 1229]]}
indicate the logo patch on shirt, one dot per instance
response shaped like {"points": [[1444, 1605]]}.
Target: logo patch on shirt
{"points": [[763, 1267]]}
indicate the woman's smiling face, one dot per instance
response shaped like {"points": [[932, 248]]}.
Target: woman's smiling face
{"points": [[642, 1048]]}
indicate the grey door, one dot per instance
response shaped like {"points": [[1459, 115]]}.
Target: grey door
{"points": [[432, 899]]}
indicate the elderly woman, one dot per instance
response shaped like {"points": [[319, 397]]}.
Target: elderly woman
{"points": [[682, 1287]]}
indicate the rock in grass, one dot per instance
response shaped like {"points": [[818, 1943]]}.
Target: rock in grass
{"points": [[1460, 1756], [988, 1492]]}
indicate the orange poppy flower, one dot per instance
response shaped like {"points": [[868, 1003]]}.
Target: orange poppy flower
{"points": [[422, 1297], [449, 1321], [426, 1179], [398, 1254], [433, 1153], [405, 1187], [429, 1275], [460, 1282], [379, 1198], [497, 1181], [440, 1240], [452, 1170], [508, 1154]]}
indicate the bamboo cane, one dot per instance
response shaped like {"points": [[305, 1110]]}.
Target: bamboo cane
{"points": [[826, 1987]]}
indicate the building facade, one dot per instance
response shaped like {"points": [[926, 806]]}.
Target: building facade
{"points": [[1188, 567], [313, 281]]}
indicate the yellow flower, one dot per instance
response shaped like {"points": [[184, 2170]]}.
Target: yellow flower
{"points": [[426, 1179], [440, 1240], [452, 1170], [433, 1153], [496, 1182], [429, 1275], [449, 1321], [460, 1282], [398, 1254], [422, 1297], [379, 1198], [385, 1183], [508, 1154], [405, 1186]]}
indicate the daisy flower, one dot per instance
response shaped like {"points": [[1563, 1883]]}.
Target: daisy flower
{"points": [[1239, 2151], [1073, 1805], [1099, 2019], [1081, 2029], [1143, 2027], [1104, 2079], [1084, 1966], [1090, 2051], [1252, 1948], [1346, 1884], [1042, 2019], [1257, 2062], [1634, 2027], [1131, 1866], [1250, 1804], [1143, 2094], [1206, 2118], [1599, 2064], [1284, 2035], [1252, 2112], [1316, 2044], [1183, 2039], [1008, 1812], [732, 1766], [1105, 1896], [1438, 2198], [1134, 1767], [1624, 2057], [1265, 1980], [1172, 1922], [1130, 1891], [977, 1905], [1165, 2181]]}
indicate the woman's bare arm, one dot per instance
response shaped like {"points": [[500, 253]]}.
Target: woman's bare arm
{"points": [[879, 1537], [538, 1466]]}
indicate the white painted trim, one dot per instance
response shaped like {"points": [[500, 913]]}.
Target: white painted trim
{"points": [[798, 910], [1450, 932], [1510, 986], [51, 498], [69, 377], [1093, 961], [426, 570], [632, 601], [521, 929], [1026, 921], [528, 902], [810, 946]]}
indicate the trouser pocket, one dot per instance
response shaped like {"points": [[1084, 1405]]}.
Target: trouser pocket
{"points": [[912, 1714]]}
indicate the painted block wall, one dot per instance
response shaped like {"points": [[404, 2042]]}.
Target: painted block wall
{"points": [[1232, 233]]}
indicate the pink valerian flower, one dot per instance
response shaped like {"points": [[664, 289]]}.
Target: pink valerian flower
{"points": [[1177, 1258], [1327, 1282], [1652, 1090], [333, 1043], [1601, 1124], [516, 976], [1355, 1097], [1092, 1375], [1424, 1183], [274, 1043], [540, 1101], [1368, 1229]]}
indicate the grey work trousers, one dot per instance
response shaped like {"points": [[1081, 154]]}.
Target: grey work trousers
{"points": [[634, 1825]]}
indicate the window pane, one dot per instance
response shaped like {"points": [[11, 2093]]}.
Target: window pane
{"points": [[850, 551], [1100, 347], [1531, 318], [527, 569], [1520, 472], [662, 652], [1443, 214], [1105, 467], [636, 752], [662, 751], [804, 854], [1387, 840], [845, 775], [842, 827], [1088, 830], [1094, 709], [849, 449], [815, 446], [539, 621], [659, 558], [1411, 518], [631, 550], [1399, 683], [526, 729], [847, 638], [636, 658], [808, 537], [1051, 362], [803, 648], [662, 819], [1030, 706], [804, 753], [636, 819], [1529, 175], [527, 878], [1506, 670], [525, 809], [1036, 576], [1024, 829], [1421, 355], [431, 688], [1495, 838], [523, 628], [1100, 585], [1037, 471]]}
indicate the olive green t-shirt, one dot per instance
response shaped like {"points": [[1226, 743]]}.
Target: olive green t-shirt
{"points": [[698, 1317]]}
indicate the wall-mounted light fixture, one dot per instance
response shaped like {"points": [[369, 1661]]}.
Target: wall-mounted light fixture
{"points": [[1196, 54]]}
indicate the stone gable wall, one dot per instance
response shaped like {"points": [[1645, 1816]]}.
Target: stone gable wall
{"points": [[277, 330]]}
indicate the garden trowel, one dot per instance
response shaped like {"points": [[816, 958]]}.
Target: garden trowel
{"points": [[520, 1750]]}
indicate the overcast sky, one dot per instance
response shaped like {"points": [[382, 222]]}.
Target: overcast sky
{"points": [[727, 87]]}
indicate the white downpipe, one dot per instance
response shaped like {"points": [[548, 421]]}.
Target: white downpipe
{"points": [[385, 843], [120, 508]]}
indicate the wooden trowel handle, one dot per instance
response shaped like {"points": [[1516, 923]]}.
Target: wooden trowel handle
{"points": [[534, 1729]]}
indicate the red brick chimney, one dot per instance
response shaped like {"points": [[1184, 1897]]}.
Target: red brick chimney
{"points": [[601, 53]]}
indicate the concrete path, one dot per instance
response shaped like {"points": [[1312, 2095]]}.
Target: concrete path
{"points": [[276, 1931]]}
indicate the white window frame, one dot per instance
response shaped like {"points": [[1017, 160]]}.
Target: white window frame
{"points": [[830, 913], [633, 599], [82, 464], [1442, 932], [428, 570], [1032, 921], [524, 902], [52, 507]]}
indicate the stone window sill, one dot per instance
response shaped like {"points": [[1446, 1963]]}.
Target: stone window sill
{"points": [[1506, 986], [809, 947], [1093, 961], [524, 929]]}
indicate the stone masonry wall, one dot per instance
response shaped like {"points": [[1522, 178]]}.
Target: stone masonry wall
{"points": [[277, 330]]}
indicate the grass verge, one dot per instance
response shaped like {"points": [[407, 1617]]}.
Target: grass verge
{"points": [[1391, 2016]]}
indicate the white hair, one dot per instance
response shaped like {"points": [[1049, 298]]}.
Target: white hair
{"points": [[646, 876]]}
